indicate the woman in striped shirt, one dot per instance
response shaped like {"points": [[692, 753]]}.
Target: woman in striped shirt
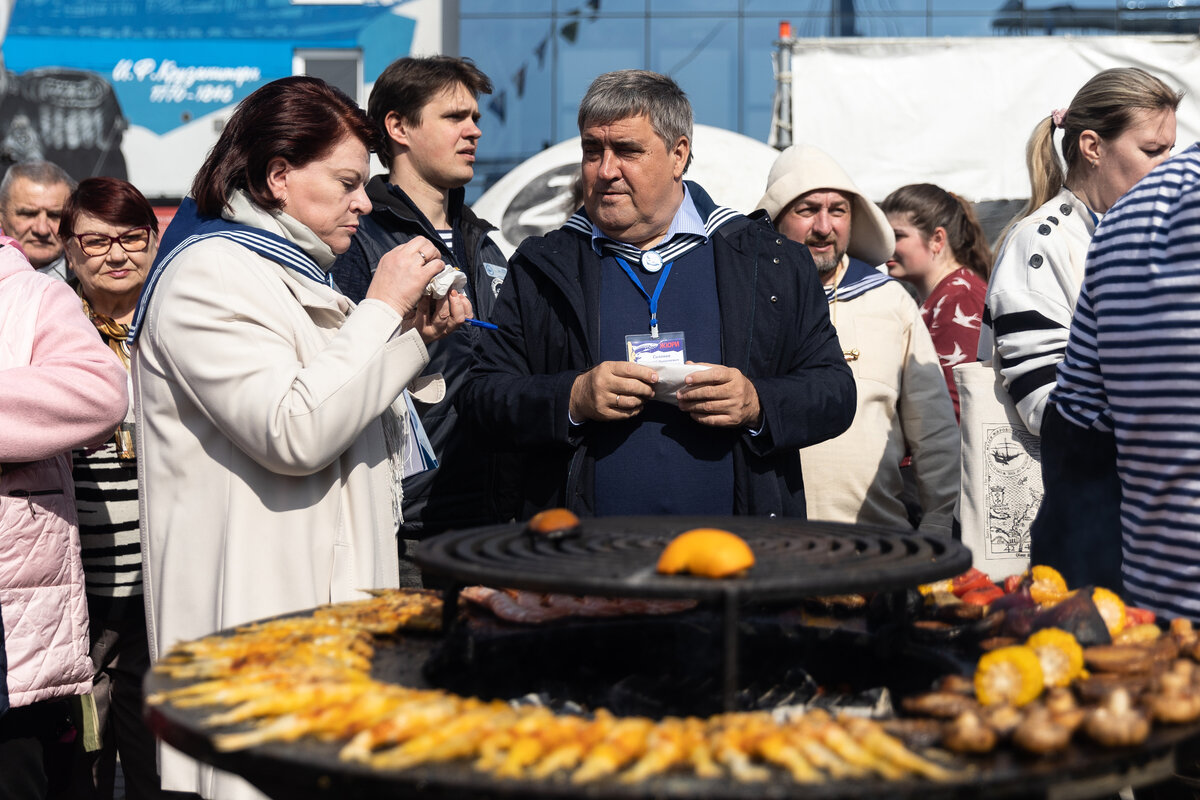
{"points": [[110, 236]]}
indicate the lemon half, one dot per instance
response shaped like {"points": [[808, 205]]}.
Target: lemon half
{"points": [[708, 552]]}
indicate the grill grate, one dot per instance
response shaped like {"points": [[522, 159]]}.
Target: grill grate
{"points": [[616, 556]]}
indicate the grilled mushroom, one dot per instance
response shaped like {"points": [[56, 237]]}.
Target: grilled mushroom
{"points": [[1183, 633], [943, 705], [1176, 699], [1041, 732], [1062, 706], [1003, 718], [968, 733], [1117, 723], [1098, 686], [1139, 634], [1119, 658], [955, 684]]}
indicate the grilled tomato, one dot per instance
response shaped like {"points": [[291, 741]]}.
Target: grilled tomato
{"points": [[969, 581], [709, 552]]}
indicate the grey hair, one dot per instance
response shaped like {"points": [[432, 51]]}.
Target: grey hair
{"points": [[45, 173], [636, 92]]}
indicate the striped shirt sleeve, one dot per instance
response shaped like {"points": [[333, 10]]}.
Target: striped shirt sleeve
{"points": [[1133, 365]]}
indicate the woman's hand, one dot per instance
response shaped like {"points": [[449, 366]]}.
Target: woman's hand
{"points": [[435, 318], [402, 275]]}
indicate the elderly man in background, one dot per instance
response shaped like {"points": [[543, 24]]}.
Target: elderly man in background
{"points": [[904, 407], [32, 195], [591, 372]]}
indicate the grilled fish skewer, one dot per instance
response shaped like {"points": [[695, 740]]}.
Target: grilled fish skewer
{"points": [[620, 746]]}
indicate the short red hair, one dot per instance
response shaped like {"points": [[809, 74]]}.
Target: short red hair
{"points": [[112, 200]]}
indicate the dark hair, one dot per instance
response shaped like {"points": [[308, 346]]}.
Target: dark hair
{"points": [[930, 207], [111, 200], [408, 84], [299, 119]]}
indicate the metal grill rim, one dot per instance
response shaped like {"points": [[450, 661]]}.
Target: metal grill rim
{"points": [[616, 556]]}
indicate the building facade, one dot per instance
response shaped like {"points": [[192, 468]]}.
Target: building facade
{"points": [[142, 87]]}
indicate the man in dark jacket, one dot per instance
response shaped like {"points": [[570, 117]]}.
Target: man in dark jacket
{"points": [[428, 108], [590, 374]]}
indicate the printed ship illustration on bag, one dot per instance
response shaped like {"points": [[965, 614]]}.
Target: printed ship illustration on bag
{"points": [[1014, 489]]}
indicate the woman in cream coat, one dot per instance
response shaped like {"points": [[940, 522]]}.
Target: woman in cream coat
{"points": [[270, 409]]}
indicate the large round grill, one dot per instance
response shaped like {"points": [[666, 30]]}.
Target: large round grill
{"points": [[617, 556]]}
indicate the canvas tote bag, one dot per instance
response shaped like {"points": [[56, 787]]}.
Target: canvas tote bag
{"points": [[1001, 478]]}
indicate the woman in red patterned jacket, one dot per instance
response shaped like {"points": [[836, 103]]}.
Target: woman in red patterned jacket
{"points": [[942, 250]]}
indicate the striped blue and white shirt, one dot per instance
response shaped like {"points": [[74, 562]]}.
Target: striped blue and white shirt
{"points": [[1133, 367]]}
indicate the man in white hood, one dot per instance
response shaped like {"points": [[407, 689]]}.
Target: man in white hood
{"points": [[904, 408]]}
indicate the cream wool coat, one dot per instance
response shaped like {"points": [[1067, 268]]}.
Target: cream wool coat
{"points": [[265, 482], [903, 405]]}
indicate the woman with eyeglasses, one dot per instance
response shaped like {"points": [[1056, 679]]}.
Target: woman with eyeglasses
{"points": [[110, 237]]}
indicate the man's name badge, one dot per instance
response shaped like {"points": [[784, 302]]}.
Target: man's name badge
{"points": [[668, 348], [651, 261]]}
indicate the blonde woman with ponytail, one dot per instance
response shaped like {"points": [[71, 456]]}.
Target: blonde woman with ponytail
{"points": [[1119, 126]]}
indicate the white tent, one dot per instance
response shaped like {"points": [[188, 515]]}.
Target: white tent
{"points": [[959, 111], [535, 197]]}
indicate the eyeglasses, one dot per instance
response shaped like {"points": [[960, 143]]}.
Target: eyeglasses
{"points": [[134, 240]]}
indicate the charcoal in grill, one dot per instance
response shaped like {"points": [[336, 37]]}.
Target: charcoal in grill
{"points": [[672, 666]]}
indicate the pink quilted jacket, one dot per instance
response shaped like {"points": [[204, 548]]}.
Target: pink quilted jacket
{"points": [[60, 388]]}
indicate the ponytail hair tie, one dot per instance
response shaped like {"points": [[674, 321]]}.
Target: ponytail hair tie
{"points": [[1057, 116]]}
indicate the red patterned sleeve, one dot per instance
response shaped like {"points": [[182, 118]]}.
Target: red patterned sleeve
{"points": [[953, 313]]}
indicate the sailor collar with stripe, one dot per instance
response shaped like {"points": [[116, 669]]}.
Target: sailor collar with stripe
{"points": [[858, 279], [688, 230], [272, 234]]}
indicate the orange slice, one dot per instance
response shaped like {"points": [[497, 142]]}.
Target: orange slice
{"points": [[708, 552], [554, 523]]}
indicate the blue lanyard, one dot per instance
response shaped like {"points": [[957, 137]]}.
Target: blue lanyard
{"points": [[652, 299]]}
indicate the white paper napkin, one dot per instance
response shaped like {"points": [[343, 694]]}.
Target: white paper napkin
{"points": [[670, 380], [449, 278]]}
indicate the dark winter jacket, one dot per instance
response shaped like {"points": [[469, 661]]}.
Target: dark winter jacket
{"points": [[775, 328], [462, 491]]}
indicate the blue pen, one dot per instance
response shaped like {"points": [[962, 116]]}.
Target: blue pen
{"points": [[478, 323]]}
